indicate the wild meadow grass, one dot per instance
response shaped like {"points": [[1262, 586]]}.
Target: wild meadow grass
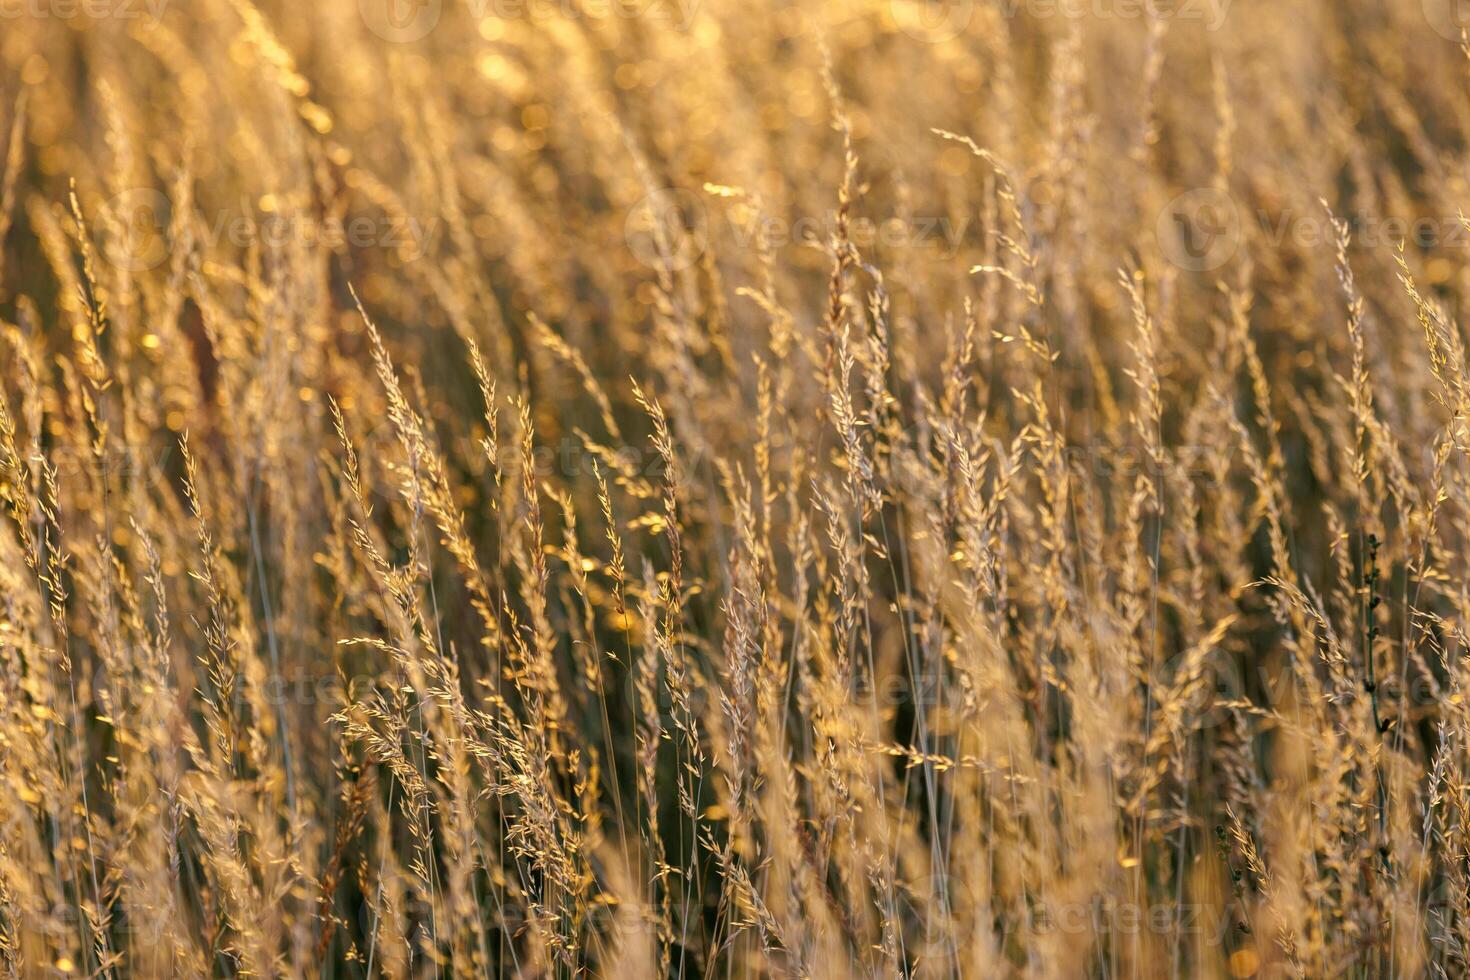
{"points": [[849, 488]]}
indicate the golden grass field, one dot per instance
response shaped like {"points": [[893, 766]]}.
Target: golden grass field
{"points": [[734, 489]]}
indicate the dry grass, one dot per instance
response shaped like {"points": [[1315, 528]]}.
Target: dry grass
{"points": [[734, 490]]}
